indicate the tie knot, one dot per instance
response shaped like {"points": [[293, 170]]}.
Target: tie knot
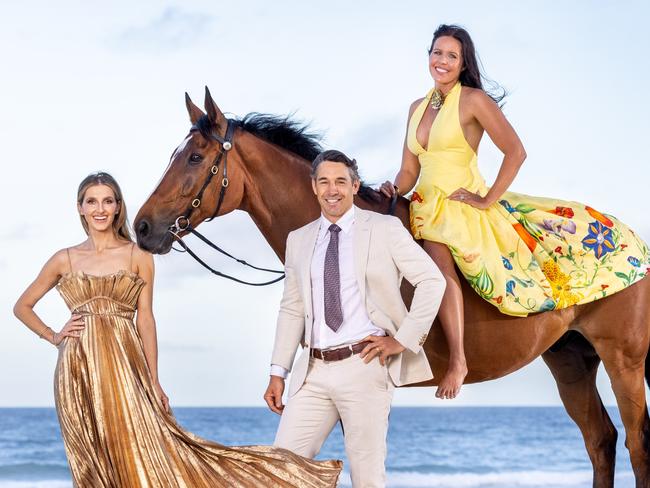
{"points": [[334, 228]]}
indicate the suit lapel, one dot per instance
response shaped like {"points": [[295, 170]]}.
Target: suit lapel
{"points": [[361, 247], [307, 249]]}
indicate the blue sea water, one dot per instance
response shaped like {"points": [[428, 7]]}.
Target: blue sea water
{"points": [[468, 447]]}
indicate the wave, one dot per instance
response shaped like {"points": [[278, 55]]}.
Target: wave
{"points": [[36, 484], [30, 471], [512, 479]]}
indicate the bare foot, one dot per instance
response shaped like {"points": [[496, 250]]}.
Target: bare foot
{"points": [[449, 386]]}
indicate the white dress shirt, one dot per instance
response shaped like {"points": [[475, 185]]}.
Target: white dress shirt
{"points": [[356, 323]]}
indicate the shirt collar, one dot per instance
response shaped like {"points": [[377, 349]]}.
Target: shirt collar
{"points": [[345, 222]]}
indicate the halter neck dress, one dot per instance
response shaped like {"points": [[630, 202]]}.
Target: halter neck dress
{"points": [[116, 433], [523, 254]]}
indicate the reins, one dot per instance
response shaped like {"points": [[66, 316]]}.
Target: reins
{"points": [[393, 204], [182, 223]]}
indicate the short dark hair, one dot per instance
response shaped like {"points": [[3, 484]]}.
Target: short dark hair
{"points": [[337, 157]]}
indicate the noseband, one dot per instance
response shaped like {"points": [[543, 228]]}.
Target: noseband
{"points": [[183, 224]]}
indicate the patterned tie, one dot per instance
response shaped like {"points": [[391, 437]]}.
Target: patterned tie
{"points": [[332, 281]]}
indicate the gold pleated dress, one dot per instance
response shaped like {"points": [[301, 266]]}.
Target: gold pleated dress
{"points": [[117, 435]]}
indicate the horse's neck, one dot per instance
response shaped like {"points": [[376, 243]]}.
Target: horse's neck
{"points": [[278, 194]]}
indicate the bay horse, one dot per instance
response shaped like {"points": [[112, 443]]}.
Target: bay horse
{"points": [[268, 176]]}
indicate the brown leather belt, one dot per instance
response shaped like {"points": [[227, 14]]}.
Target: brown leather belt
{"points": [[338, 353]]}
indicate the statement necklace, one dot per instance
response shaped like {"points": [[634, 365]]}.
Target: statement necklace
{"points": [[437, 99]]}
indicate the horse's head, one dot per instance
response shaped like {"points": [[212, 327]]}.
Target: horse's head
{"points": [[194, 186]]}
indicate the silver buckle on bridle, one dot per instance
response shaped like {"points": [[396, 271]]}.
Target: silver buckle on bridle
{"points": [[176, 227]]}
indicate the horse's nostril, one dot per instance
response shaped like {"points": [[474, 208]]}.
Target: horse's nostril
{"points": [[143, 228]]}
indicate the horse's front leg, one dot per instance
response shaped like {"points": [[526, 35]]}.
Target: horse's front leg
{"points": [[574, 364]]}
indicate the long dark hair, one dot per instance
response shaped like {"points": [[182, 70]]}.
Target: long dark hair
{"points": [[471, 73], [120, 222]]}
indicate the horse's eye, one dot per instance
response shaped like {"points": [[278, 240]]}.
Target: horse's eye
{"points": [[196, 158]]}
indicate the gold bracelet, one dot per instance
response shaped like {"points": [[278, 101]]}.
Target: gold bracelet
{"points": [[397, 189], [42, 333]]}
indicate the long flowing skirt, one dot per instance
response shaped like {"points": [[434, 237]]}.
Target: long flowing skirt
{"points": [[116, 433], [528, 254]]}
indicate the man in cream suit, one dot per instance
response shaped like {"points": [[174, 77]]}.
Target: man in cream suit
{"points": [[342, 303]]}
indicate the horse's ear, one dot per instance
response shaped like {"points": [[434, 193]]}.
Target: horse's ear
{"points": [[214, 114], [195, 112]]}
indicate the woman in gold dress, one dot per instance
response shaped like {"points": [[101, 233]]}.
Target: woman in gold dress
{"points": [[115, 419], [522, 254]]}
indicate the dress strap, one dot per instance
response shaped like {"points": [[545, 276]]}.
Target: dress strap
{"points": [[67, 250], [131, 258], [411, 136]]}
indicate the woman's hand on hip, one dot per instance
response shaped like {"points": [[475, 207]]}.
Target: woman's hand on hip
{"points": [[474, 199], [72, 328]]}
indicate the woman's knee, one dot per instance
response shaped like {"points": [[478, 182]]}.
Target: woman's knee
{"points": [[441, 255]]}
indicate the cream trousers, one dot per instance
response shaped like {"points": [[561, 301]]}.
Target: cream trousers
{"points": [[360, 395]]}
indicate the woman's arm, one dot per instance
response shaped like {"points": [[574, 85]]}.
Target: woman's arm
{"points": [[409, 172], [491, 118], [145, 322], [44, 282]]}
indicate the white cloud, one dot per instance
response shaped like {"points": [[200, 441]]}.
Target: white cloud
{"points": [[175, 28]]}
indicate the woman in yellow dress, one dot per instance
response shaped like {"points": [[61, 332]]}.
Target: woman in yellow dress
{"points": [[115, 419], [522, 254]]}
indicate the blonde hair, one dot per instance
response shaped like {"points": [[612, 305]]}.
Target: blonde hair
{"points": [[120, 222]]}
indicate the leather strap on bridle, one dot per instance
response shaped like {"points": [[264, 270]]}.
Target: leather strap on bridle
{"points": [[393, 204], [183, 224], [226, 146], [219, 273]]}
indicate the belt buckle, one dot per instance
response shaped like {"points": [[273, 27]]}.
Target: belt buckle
{"points": [[323, 353], [322, 356]]}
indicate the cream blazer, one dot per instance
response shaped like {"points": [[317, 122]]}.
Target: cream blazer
{"points": [[384, 253]]}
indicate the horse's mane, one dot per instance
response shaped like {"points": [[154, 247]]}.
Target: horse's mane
{"points": [[282, 131], [289, 134]]}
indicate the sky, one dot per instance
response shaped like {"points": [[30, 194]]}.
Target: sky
{"points": [[89, 86]]}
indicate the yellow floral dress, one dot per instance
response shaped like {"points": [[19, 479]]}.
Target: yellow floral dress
{"points": [[523, 254]]}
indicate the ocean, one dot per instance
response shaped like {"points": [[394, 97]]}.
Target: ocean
{"points": [[450, 447]]}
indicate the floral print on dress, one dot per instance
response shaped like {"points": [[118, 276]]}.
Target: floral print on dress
{"points": [[600, 239], [554, 256]]}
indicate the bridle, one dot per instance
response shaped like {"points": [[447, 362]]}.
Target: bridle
{"points": [[183, 224]]}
